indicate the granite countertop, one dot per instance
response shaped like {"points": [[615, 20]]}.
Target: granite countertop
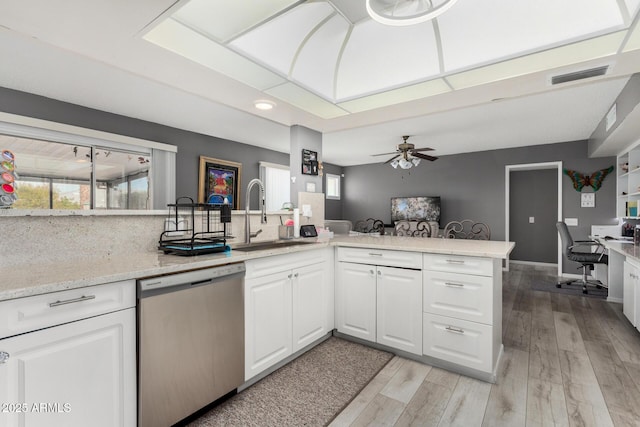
{"points": [[627, 249], [39, 279]]}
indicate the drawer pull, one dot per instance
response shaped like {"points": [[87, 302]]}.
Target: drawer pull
{"points": [[4, 356], [456, 330], [71, 301], [455, 261], [374, 254], [455, 285]]}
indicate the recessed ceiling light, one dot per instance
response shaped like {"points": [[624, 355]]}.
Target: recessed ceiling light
{"points": [[264, 104]]}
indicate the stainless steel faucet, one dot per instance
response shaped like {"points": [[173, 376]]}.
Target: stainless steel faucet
{"points": [[263, 216]]}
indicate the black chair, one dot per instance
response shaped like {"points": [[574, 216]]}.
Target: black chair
{"points": [[587, 258], [370, 225], [467, 229]]}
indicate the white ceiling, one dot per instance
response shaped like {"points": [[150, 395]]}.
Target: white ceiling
{"points": [[485, 86]]}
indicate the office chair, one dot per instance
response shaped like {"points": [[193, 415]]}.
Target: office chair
{"points": [[587, 259]]}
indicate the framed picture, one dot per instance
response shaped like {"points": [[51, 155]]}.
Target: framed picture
{"points": [[309, 162], [219, 181]]}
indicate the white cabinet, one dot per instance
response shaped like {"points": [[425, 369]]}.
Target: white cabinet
{"points": [[288, 308], [311, 300], [356, 300], [462, 302], [399, 308], [377, 301], [631, 286], [267, 321], [78, 373]]}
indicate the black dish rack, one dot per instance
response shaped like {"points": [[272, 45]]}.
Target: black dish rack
{"points": [[183, 235]]}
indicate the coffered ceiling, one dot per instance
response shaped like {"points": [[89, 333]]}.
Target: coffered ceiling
{"points": [[477, 77]]}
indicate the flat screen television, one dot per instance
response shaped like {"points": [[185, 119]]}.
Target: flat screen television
{"points": [[415, 208]]}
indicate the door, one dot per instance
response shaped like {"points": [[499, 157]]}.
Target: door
{"points": [[310, 300], [356, 300], [533, 213], [80, 374], [267, 321], [399, 308]]}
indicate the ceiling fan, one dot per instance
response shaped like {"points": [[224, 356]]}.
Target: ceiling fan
{"points": [[409, 155]]}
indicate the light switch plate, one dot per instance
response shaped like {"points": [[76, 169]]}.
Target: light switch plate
{"points": [[588, 200], [572, 222], [532, 220]]}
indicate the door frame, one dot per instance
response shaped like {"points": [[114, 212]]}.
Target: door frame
{"points": [[527, 167]]}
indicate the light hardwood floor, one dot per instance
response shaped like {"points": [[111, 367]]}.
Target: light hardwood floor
{"points": [[568, 361]]}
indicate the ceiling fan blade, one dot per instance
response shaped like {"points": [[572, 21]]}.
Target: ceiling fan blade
{"points": [[421, 149], [392, 159], [424, 156], [385, 154]]}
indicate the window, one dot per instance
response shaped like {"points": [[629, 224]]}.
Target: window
{"points": [[277, 184], [333, 186], [65, 167]]}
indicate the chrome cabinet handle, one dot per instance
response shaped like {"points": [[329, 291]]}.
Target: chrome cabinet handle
{"points": [[374, 254], [371, 272], [455, 285], [4, 356], [71, 301], [455, 261], [289, 276], [295, 275], [456, 330], [379, 273]]}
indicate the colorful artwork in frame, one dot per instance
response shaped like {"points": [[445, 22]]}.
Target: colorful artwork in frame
{"points": [[219, 181]]}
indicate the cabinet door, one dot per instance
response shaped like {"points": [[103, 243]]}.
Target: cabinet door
{"points": [[399, 308], [310, 304], [356, 300], [81, 374], [267, 319], [628, 292]]}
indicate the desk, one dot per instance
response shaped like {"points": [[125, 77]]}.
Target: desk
{"points": [[619, 252]]}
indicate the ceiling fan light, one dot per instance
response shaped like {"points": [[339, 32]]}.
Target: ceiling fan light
{"points": [[406, 12], [405, 164], [416, 161], [394, 164]]}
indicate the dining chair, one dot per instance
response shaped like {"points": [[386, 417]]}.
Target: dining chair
{"points": [[467, 229]]}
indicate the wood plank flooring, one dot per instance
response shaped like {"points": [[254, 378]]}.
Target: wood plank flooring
{"points": [[568, 361]]}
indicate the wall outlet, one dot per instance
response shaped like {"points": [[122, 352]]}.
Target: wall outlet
{"points": [[532, 220], [571, 222]]}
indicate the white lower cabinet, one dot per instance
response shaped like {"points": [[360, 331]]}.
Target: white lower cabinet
{"points": [[380, 303], [287, 309], [81, 373], [399, 307], [630, 292], [462, 321], [458, 341], [268, 321], [356, 300]]}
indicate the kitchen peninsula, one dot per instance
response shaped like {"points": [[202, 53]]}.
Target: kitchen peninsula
{"points": [[434, 300]]}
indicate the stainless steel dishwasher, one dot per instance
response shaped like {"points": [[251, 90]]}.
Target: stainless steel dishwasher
{"points": [[190, 341]]}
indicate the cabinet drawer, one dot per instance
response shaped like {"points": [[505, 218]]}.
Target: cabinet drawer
{"points": [[459, 264], [458, 341], [381, 257], [31, 313], [462, 296], [260, 267]]}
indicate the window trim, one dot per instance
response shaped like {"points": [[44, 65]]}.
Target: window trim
{"points": [[339, 179]]}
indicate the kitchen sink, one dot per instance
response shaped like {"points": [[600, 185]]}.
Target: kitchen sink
{"points": [[271, 244]]}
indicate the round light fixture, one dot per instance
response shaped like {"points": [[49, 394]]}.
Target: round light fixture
{"points": [[406, 12], [263, 104]]}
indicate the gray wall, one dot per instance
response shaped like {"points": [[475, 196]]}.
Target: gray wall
{"points": [[472, 185], [534, 193], [307, 139], [190, 145]]}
